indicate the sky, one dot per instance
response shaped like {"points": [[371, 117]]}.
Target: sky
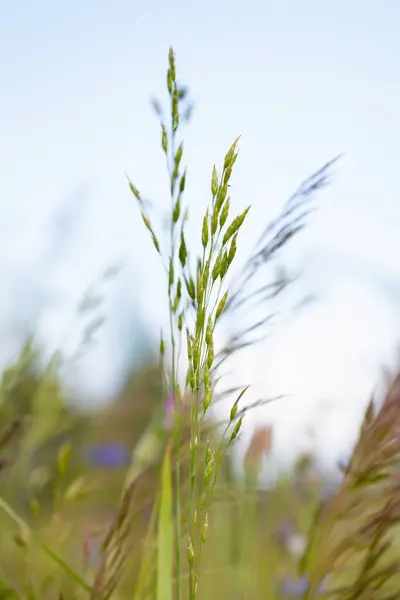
{"points": [[301, 83]]}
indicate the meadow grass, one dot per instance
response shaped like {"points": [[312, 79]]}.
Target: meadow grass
{"points": [[175, 524]]}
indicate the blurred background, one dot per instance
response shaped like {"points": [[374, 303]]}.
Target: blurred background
{"points": [[83, 290]]}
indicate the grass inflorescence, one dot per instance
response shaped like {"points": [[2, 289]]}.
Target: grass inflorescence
{"points": [[197, 297], [197, 516]]}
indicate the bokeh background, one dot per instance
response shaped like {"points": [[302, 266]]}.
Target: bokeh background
{"points": [[302, 83]]}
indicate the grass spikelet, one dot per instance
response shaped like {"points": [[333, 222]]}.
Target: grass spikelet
{"points": [[353, 539], [115, 548]]}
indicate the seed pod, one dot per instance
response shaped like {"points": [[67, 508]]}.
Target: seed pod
{"points": [[204, 533], [206, 274], [178, 155], [207, 399], [209, 331], [189, 345], [224, 213], [200, 288], [221, 197], [234, 410], [224, 266], [234, 226], [156, 244], [146, 221], [135, 191], [196, 357], [182, 251], [169, 81], [177, 210], [192, 380], [236, 430], [227, 174], [208, 452], [232, 250], [217, 267], [178, 296], [214, 182], [210, 356], [221, 305], [164, 139], [182, 183], [204, 233], [190, 288], [171, 61], [230, 154], [206, 375], [190, 553], [209, 472], [171, 273], [214, 222]]}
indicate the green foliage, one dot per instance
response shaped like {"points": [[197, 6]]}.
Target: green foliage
{"points": [[354, 540], [165, 535], [182, 527]]}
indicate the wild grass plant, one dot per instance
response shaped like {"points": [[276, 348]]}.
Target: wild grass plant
{"points": [[199, 296], [206, 535]]}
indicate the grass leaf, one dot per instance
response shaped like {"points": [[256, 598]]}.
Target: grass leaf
{"points": [[165, 534]]}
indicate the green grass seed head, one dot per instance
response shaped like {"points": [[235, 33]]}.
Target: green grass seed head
{"points": [[183, 251], [177, 210], [171, 273], [200, 288], [182, 182], [204, 533], [204, 232], [175, 109], [217, 266], [214, 221], [135, 191], [221, 305], [214, 182], [190, 553], [232, 250], [221, 196], [196, 356], [164, 139], [207, 399], [210, 355], [230, 155], [209, 471], [224, 213], [224, 266], [236, 430]]}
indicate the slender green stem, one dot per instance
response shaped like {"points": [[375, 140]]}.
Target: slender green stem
{"points": [[178, 515]]}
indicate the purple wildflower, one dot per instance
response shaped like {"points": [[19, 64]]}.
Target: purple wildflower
{"points": [[108, 456], [296, 588]]}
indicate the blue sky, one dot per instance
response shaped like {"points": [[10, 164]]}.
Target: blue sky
{"points": [[301, 82]]}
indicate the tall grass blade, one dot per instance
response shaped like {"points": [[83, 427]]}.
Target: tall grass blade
{"points": [[165, 534], [27, 534], [148, 554]]}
